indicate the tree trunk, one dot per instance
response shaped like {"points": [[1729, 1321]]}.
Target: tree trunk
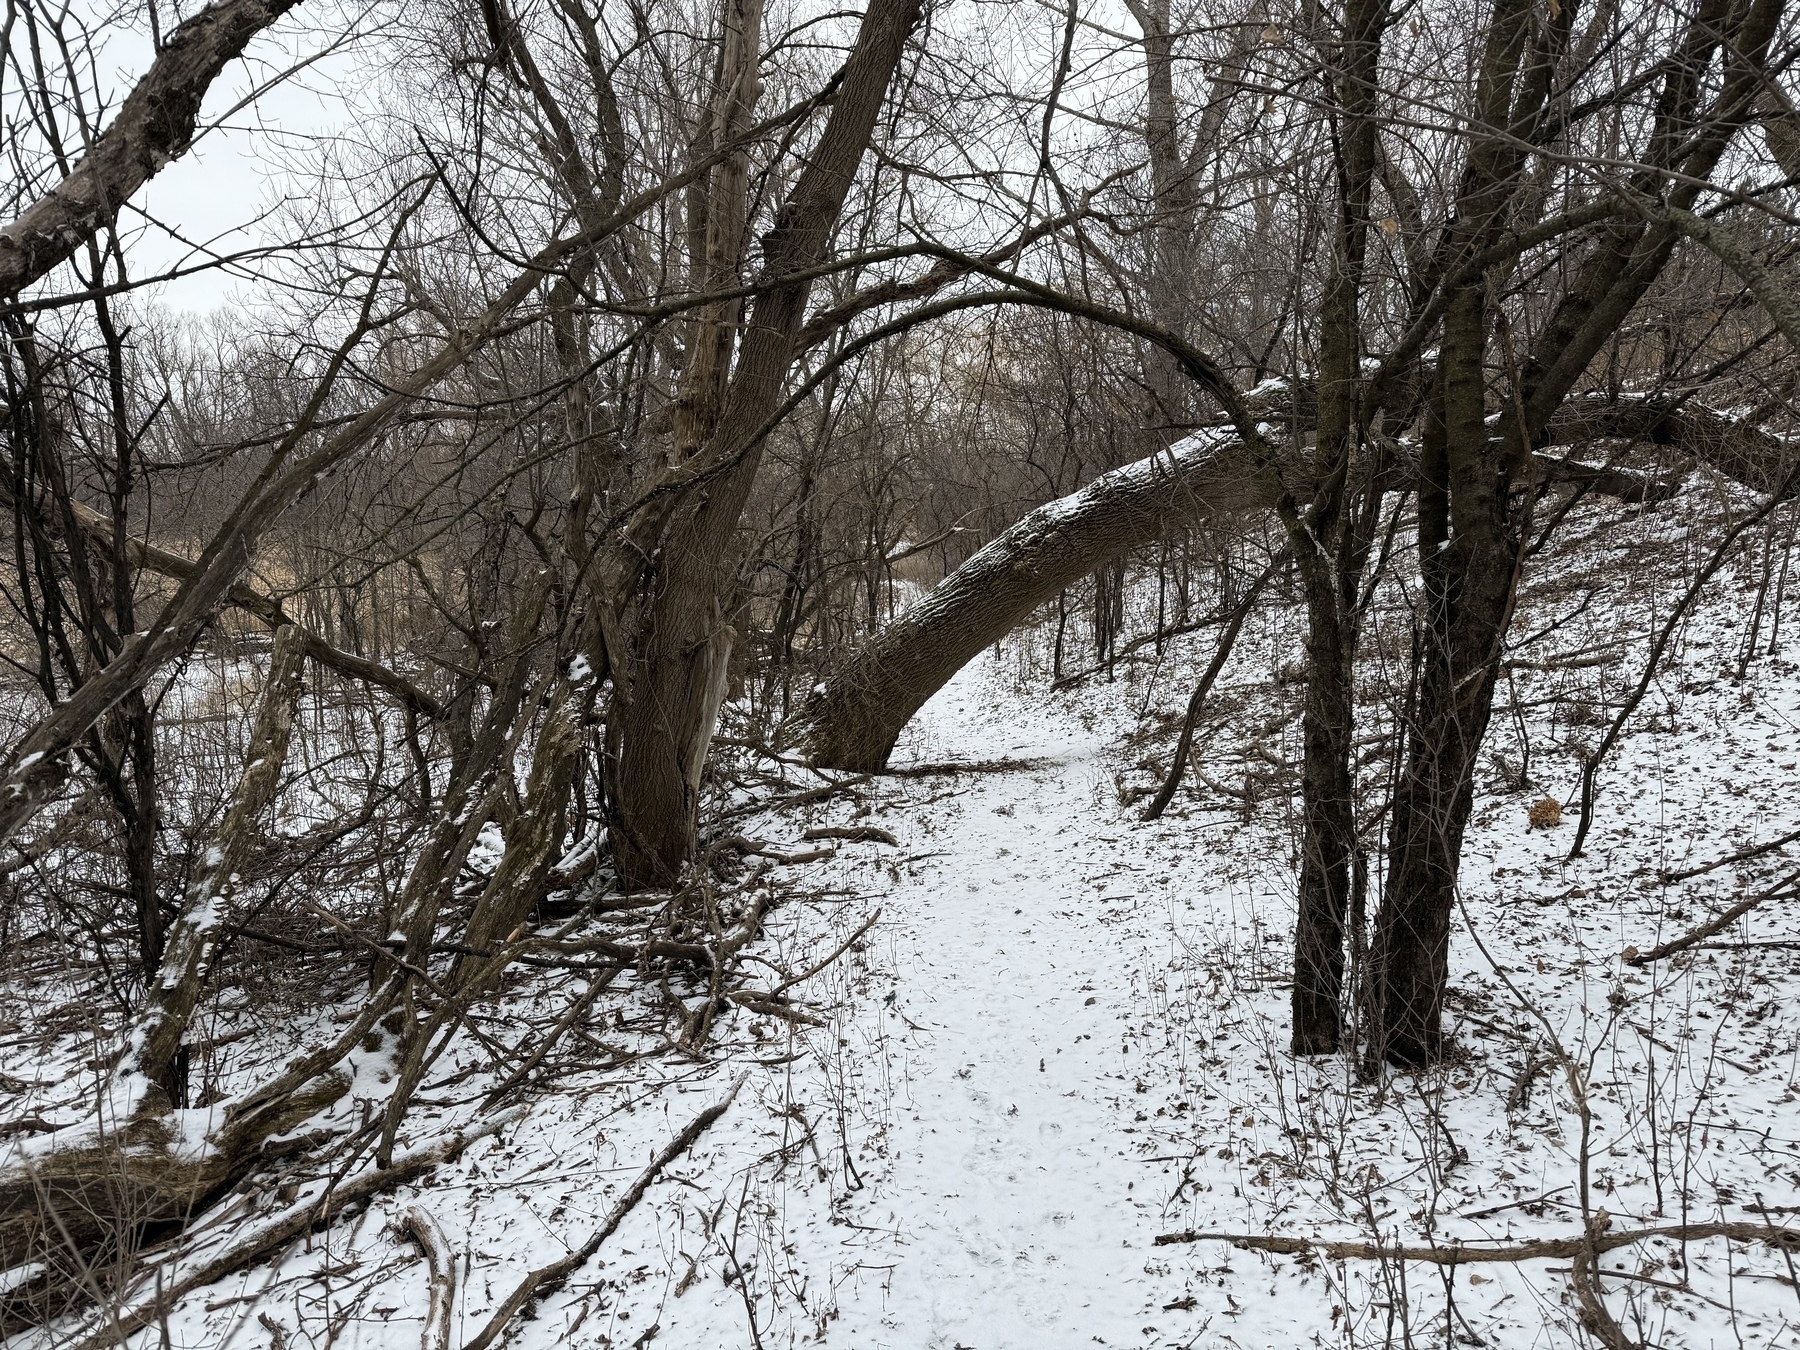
{"points": [[853, 718], [1471, 531], [670, 684], [1330, 549], [1328, 806]]}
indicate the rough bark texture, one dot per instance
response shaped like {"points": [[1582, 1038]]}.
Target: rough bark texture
{"points": [[673, 678], [154, 127], [852, 720]]}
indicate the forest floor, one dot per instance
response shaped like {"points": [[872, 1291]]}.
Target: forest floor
{"points": [[1065, 1035]]}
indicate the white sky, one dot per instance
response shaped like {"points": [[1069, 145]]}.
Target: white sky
{"points": [[218, 193]]}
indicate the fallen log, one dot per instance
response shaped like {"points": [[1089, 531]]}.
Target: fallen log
{"points": [[440, 1261], [1464, 1254], [274, 1233]]}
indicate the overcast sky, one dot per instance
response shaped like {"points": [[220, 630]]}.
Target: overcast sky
{"points": [[218, 194]]}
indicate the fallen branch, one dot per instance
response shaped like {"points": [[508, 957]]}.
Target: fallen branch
{"points": [[1633, 957], [547, 1279], [805, 798], [760, 1003], [760, 848], [817, 966], [302, 1217], [955, 766], [1458, 1254], [854, 834], [1742, 855], [442, 1263]]}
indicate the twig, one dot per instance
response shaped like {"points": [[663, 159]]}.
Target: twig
{"points": [[816, 967], [602, 978], [546, 1279], [1222, 654]]}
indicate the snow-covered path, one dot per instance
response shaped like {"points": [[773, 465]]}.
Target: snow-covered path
{"points": [[1024, 1223], [1030, 949]]}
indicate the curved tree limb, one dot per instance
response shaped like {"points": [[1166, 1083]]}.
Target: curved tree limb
{"points": [[852, 720], [154, 128]]}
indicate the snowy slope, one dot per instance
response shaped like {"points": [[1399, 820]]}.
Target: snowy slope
{"points": [[1065, 1036]]}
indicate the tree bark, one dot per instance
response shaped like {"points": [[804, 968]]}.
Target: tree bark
{"points": [[853, 718], [670, 685]]}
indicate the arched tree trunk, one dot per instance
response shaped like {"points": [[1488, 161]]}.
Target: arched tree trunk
{"points": [[852, 720]]}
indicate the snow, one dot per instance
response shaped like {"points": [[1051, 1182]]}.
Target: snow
{"points": [[1065, 1036], [487, 850]]}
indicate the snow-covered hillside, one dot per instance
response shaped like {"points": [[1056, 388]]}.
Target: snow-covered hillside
{"points": [[1057, 1034]]}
